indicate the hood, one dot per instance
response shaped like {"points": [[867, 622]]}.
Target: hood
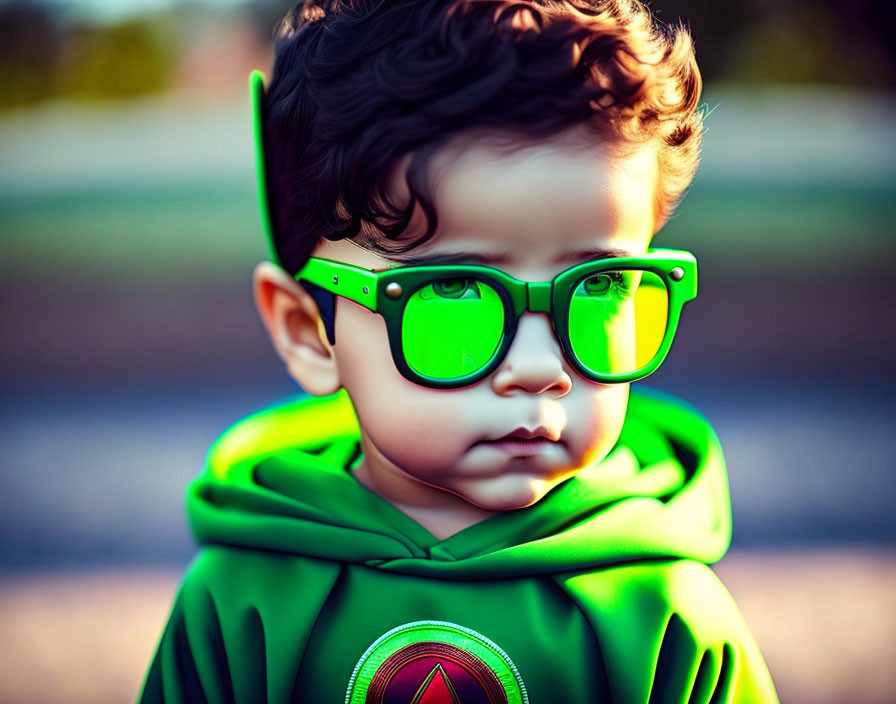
{"points": [[280, 480]]}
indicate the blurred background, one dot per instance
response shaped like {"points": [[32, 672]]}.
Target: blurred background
{"points": [[129, 228]]}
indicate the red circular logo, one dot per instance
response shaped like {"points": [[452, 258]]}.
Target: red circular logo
{"points": [[435, 673], [435, 662]]}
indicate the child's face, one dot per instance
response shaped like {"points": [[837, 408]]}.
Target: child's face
{"points": [[532, 214]]}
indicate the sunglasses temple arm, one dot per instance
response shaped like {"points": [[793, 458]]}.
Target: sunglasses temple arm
{"points": [[256, 91]]}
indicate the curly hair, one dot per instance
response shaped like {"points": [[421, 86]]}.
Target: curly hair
{"points": [[360, 86]]}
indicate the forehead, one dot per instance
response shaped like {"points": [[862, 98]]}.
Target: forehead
{"points": [[531, 208], [540, 200]]}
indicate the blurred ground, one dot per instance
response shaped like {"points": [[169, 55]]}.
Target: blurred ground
{"points": [[825, 621]]}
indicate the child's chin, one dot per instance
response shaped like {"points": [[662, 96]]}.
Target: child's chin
{"points": [[520, 495]]}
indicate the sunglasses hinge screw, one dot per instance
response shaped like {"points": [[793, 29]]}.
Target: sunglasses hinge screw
{"points": [[677, 274], [393, 290]]}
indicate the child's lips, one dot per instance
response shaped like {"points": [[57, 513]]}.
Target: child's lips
{"points": [[524, 441], [520, 446], [541, 431]]}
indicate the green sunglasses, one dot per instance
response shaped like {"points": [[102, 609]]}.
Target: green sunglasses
{"points": [[451, 325]]}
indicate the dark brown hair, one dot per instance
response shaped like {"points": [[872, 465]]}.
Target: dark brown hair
{"points": [[359, 84]]}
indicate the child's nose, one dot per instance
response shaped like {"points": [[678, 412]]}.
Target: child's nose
{"points": [[534, 363]]}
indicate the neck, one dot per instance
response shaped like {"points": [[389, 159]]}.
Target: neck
{"points": [[440, 512]]}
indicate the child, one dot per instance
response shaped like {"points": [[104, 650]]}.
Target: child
{"points": [[471, 508]]}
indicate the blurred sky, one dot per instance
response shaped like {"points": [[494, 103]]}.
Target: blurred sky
{"points": [[119, 9]]}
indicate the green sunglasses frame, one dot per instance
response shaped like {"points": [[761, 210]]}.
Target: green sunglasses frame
{"points": [[388, 292], [677, 269]]}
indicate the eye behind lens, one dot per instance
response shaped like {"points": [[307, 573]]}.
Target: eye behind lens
{"points": [[597, 285], [451, 328], [617, 320], [606, 283], [456, 289]]}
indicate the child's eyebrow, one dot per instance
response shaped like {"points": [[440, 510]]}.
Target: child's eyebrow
{"points": [[452, 258], [578, 255], [588, 255]]}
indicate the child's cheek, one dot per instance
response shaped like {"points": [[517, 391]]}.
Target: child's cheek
{"points": [[595, 429]]}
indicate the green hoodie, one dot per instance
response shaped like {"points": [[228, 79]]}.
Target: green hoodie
{"points": [[311, 588]]}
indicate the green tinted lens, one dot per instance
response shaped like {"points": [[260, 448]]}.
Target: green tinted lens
{"points": [[617, 320], [452, 327]]}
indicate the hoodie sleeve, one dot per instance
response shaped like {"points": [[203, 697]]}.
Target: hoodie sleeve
{"points": [[671, 632], [238, 628], [190, 663]]}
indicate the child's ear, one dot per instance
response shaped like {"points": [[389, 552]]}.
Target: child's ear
{"points": [[293, 323]]}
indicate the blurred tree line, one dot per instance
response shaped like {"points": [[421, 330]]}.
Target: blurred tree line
{"points": [[46, 52], [848, 42], [44, 55]]}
